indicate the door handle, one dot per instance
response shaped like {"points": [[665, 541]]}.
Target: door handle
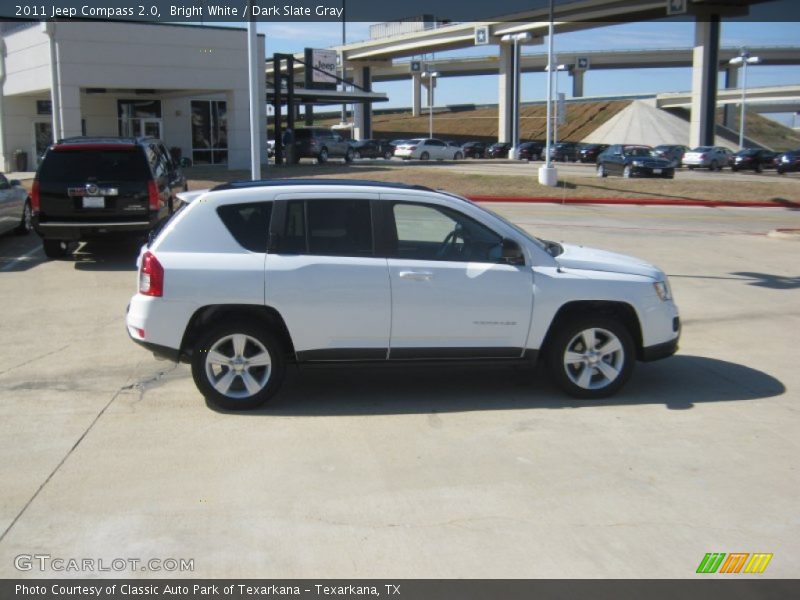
{"points": [[416, 275]]}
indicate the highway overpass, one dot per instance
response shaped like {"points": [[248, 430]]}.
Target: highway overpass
{"points": [[362, 59]]}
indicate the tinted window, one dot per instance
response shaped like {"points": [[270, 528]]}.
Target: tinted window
{"points": [[432, 233], [101, 164], [248, 223], [328, 228]]}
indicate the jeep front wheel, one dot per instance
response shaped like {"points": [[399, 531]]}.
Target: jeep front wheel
{"points": [[238, 366], [591, 358]]}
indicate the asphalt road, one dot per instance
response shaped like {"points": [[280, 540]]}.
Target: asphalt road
{"points": [[424, 472]]}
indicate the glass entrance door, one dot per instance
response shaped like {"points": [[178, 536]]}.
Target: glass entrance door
{"points": [[43, 136], [209, 132]]}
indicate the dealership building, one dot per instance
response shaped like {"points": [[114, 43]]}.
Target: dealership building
{"points": [[187, 85]]}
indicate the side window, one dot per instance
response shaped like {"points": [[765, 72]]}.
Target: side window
{"points": [[248, 223], [433, 233], [328, 228]]}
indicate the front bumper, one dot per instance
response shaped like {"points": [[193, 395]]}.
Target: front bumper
{"points": [[660, 351]]}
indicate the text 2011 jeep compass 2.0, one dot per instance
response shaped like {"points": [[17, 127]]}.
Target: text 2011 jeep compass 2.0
{"points": [[249, 276]]}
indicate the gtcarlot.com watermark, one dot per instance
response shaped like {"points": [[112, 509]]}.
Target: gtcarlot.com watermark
{"points": [[57, 564]]}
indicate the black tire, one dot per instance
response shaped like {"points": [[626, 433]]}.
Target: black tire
{"points": [[458, 156], [387, 155], [26, 222], [424, 156], [759, 169], [735, 169], [601, 170], [535, 157], [267, 379], [568, 339], [356, 154], [714, 166], [322, 157], [348, 156], [54, 248]]}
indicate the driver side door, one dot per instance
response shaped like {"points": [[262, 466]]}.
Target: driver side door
{"points": [[452, 295]]}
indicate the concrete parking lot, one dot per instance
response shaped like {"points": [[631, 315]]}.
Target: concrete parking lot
{"points": [[424, 472]]}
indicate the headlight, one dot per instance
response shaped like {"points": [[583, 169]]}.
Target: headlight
{"points": [[663, 291], [638, 163]]}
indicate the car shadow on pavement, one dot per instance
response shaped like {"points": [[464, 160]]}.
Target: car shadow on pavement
{"points": [[775, 282], [106, 256], [678, 383]]}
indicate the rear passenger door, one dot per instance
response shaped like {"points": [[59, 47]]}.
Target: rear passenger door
{"points": [[323, 276]]}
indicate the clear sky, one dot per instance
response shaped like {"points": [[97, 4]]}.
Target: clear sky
{"points": [[293, 37]]}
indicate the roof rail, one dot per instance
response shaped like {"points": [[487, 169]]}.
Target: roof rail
{"points": [[239, 185]]}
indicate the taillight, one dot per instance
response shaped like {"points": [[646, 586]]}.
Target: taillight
{"points": [[35, 199], [151, 276], [152, 193]]}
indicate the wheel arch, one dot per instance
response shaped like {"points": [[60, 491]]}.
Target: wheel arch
{"points": [[622, 311], [211, 315]]}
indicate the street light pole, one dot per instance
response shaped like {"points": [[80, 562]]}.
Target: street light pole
{"points": [[743, 59], [556, 115], [548, 174]]}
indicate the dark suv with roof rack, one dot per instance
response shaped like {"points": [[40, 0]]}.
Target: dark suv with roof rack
{"points": [[88, 188]]}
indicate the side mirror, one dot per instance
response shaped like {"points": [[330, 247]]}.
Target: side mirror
{"points": [[14, 182], [512, 253]]}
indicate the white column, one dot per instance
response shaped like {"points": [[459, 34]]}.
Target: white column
{"points": [[504, 93], [238, 116], [69, 110]]}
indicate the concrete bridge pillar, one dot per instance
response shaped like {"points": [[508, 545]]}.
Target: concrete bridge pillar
{"points": [[705, 65], [730, 119], [577, 82], [505, 93], [416, 95]]}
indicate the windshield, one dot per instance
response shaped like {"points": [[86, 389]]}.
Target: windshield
{"points": [[413, 142]]}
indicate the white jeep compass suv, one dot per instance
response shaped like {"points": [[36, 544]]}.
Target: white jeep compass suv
{"points": [[250, 276]]}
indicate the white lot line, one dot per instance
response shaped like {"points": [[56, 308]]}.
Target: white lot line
{"points": [[14, 262]]}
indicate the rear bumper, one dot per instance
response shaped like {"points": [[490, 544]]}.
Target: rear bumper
{"points": [[161, 352], [81, 230]]}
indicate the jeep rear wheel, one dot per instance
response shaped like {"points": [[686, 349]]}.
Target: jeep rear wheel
{"points": [[591, 357], [238, 366], [322, 158]]}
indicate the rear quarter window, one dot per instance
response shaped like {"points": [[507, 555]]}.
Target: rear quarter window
{"points": [[248, 223]]}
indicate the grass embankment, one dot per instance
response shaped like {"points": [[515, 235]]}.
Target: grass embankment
{"points": [[771, 190]]}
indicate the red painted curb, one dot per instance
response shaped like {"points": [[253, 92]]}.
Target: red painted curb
{"points": [[635, 201]]}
